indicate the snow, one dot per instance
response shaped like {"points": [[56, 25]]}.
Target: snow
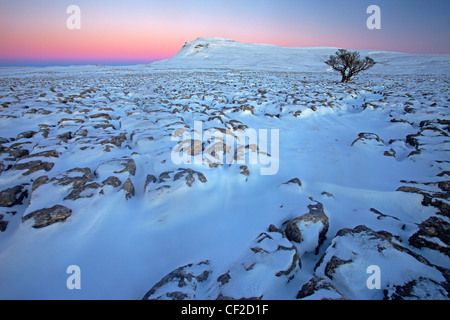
{"points": [[124, 247], [219, 53]]}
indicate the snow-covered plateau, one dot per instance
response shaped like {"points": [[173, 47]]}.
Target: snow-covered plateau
{"points": [[150, 179]]}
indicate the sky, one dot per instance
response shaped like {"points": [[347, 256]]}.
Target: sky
{"points": [[35, 32]]}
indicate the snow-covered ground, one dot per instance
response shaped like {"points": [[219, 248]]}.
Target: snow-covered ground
{"points": [[88, 177]]}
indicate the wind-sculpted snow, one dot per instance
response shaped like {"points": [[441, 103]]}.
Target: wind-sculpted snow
{"points": [[220, 53], [152, 182]]}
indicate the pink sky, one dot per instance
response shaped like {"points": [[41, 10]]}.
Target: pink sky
{"points": [[140, 31]]}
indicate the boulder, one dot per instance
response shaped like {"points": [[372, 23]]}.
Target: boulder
{"points": [[26, 135], [294, 181], [417, 289], [12, 196], [368, 137], [123, 167], [434, 233], [189, 176], [128, 187], [346, 262], [270, 262], [33, 166], [180, 284], [48, 216], [318, 288], [112, 181], [310, 229], [72, 185], [75, 177], [76, 193]]}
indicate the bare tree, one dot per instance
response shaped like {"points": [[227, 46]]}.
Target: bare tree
{"points": [[349, 63]]}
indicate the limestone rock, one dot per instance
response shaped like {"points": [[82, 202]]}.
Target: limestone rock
{"points": [[318, 288], [434, 233], [12, 196], [346, 262], [47, 216], [309, 229], [180, 284], [129, 189]]}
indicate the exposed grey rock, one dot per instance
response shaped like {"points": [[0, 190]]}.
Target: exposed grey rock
{"points": [[26, 135], [128, 166], [417, 289], [3, 224], [75, 194], [190, 147], [352, 251], [65, 136], [368, 136], [244, 170], [8, 197], [17, 153], [435, 199], [150, 179], [224, 278], [76, 181], [186, 279], [318, 288], [436, 228], [444, 185], [382, 215], [100, 115], [129, 189], [47, 216], [316, 215], [294, 181], [329, 195], [46, 154], [3, 140], [271, 258], [39, 182], [116, 140], [333, 264], [189, 176], [165, 175], [112, 181], [33, 166]]}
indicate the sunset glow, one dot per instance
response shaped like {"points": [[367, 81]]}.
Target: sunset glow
{"points": [[126, 32]]}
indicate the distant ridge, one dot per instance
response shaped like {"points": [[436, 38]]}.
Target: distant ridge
{"points": [[222, 53]]}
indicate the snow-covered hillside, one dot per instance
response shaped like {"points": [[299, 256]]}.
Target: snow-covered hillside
{"points": [[90, 177], [214, 53]]}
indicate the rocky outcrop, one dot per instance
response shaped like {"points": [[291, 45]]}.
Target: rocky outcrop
{"points": [[48, 216], [12, 196], [368, 137], [271, 260], [346, 262], [128, 187], [318, 288], [172, 179], [294, 181], [180, 284], [33, 166], [309, 229], [434, 233]]}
